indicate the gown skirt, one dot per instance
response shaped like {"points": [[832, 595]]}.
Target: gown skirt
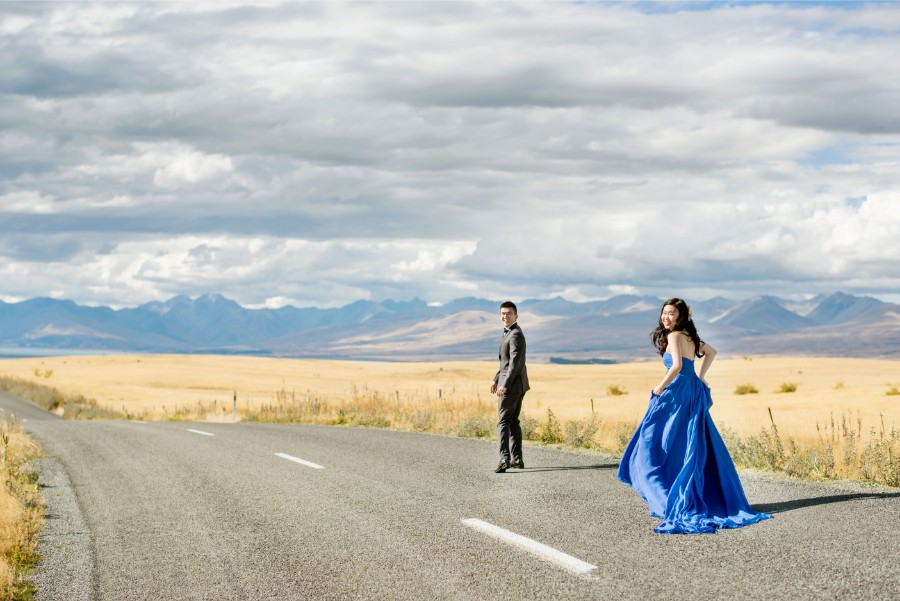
{"points": [[679, 464]]}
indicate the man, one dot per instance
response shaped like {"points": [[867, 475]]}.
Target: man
{"points": [[510, 385]]}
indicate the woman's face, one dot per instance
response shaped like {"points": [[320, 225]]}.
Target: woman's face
{"points": [[669, 316]]}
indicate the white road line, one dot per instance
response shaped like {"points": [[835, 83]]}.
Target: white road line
{"points": [[200, 432], [572, 564], [315, 466]]}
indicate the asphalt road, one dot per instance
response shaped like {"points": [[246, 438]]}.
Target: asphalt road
{"points": [[168, 511]]}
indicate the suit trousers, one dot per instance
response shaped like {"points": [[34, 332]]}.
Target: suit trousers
{"points": [[509, 431]]}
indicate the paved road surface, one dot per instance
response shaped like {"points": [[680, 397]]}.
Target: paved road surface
{"points": [[169, 511]]}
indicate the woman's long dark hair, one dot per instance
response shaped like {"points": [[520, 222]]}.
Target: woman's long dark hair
{"points": [[684, 323]]}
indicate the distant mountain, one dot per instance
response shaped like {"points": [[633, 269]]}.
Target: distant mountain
{"points": [[762, 315], [840, 308], [466, 328]]}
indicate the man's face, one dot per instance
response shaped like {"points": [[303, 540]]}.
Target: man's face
{"points": [[508, 316]]}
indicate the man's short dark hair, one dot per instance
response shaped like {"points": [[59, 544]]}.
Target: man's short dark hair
{"points": [[509, 305]]}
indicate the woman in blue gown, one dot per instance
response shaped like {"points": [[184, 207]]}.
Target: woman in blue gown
{"points": [[676, 460]]}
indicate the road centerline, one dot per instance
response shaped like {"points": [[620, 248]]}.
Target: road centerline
{"points": [[300, 461], [200, 432], [545, 552]]}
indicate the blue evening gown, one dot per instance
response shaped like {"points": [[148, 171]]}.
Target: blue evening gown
{"points": [[678, 463]]}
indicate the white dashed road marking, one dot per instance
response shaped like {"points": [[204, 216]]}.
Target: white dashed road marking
{"points": [[200, 432], [300, 461], [572, 564]]}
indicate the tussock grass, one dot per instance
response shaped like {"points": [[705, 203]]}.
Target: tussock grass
{"points": [[839, 452], [446, 413], [70, 406], [746, 389], [615, 390], [21, 512], [787, 387]]}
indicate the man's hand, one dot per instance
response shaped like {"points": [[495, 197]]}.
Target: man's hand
{"points": [[501, 391], [493, 387]]}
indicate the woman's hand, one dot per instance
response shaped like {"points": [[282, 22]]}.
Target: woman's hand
{"points": [[657, 391]]}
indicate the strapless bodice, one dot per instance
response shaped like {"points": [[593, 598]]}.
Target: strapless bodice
{"points": [[687, 365]]}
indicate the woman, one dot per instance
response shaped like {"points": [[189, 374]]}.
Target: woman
{"points": [[676, 460]]}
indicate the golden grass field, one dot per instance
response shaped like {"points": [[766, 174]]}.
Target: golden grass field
{"points": [[157, 385]]}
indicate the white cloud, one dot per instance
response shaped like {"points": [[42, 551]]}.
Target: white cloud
{"points": [[27, 201], [310, 153], [191, 168]]}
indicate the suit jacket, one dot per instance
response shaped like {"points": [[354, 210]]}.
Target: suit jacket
{"points": [[512, 360]]}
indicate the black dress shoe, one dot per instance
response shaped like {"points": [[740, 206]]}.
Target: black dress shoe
{"points": [[504, 465], [518, 464]]}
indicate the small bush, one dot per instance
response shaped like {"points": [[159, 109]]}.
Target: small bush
{"points": [[550, 432], [624, 432], [580, 432], [476, 427], [615, 390], [746, 389], [421, 420], [893, 391], [530, 427], [788, 387]]}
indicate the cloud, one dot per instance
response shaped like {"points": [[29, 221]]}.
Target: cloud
{"points": [[319, 153]]}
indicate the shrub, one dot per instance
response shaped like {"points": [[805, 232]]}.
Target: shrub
{"points": [[530, 427], [893, 391], [550, 432], [580, 432], [746, 389], [615, 390], [623, 433], [476, 426], [788, 387]]}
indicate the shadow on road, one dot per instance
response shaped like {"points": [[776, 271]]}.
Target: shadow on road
{"points": [[812, 501], [600, 466]]}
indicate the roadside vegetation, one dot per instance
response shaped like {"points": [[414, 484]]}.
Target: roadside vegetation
{"points": [[844, 449], [21, 512], [70, 406], [843, 446]]}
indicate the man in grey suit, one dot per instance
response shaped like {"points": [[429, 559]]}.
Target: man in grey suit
{"points": [[510, 385]]}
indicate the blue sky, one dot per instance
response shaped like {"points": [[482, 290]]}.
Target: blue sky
{"points": [[318, 154]]}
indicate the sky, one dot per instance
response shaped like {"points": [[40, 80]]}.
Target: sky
{"points": [[316, 154]]}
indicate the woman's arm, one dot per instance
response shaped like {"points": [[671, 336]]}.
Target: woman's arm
{"points": [[674, 349], [709, 353]]}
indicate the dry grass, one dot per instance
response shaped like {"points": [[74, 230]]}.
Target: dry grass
{"points": [[21, 512], [571, 403]]}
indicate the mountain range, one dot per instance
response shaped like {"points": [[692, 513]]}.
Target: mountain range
{"points": [[616, 329]]}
